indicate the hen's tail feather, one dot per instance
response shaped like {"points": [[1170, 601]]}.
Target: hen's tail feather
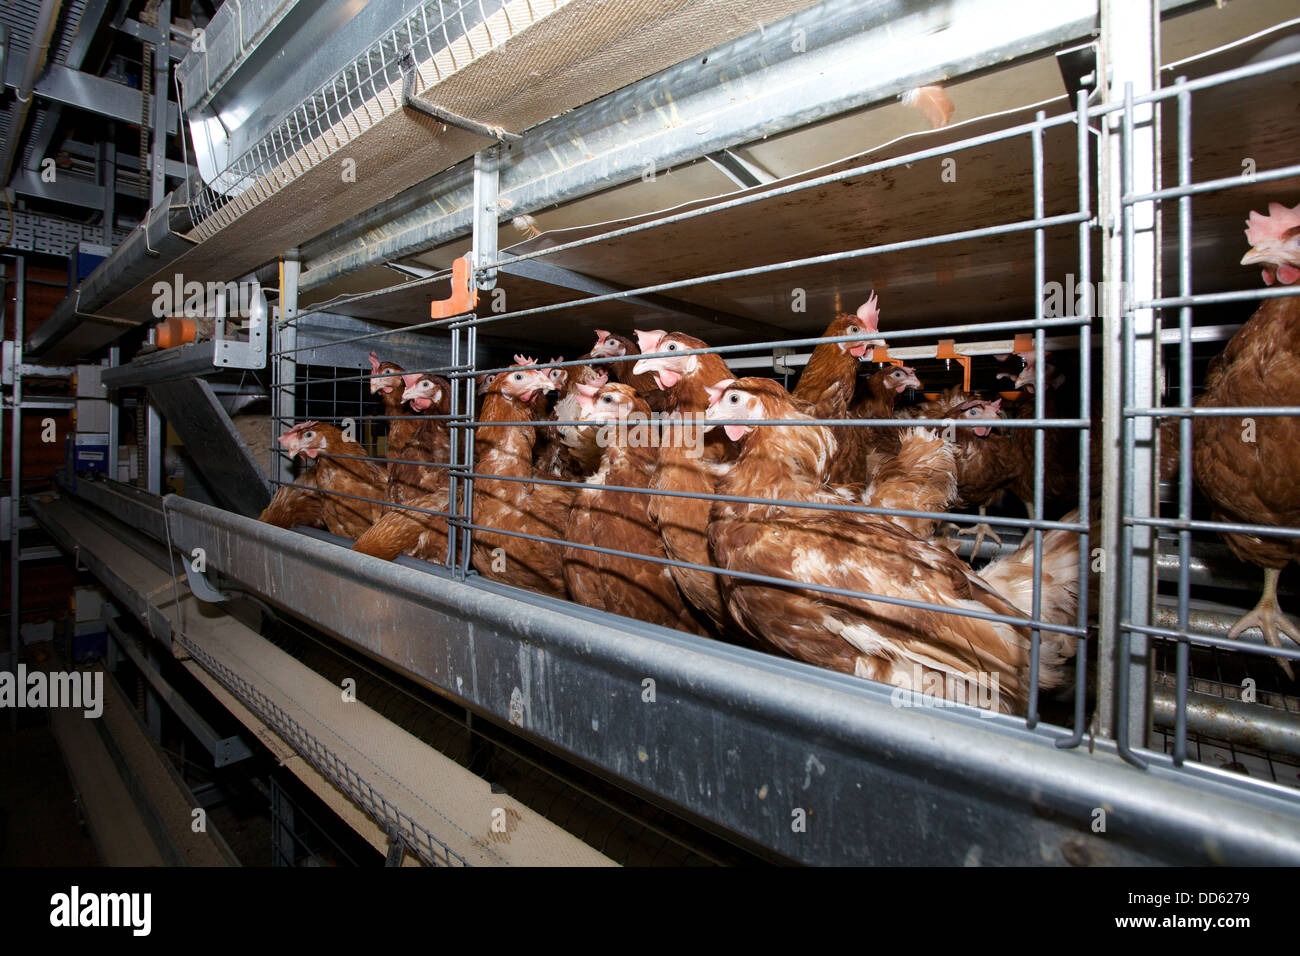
{"points": [[399, 531], [1012, 576]]}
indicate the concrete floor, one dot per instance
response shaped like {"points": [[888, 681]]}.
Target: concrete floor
{"points": [[39, 819]]}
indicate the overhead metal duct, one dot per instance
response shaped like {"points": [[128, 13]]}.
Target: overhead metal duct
{"points": [[37, 52], [350, 145]]}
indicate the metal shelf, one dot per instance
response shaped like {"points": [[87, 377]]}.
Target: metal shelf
{"points": [[165, 365], [772, 737]]}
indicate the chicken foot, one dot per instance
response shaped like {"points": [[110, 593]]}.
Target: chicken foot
{"points": [[1268, 617], [981, 531]]}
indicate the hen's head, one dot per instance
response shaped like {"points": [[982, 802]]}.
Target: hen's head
{"points": [[1025, 380], [613, 345], [425, 391], [520, 382], [898, 379], [866, 321], [385, 375], [754, 399], [310, 439], [1275, 243], [595, 377], [668, 370], [559, 376], [610, 402], [979, 409]]}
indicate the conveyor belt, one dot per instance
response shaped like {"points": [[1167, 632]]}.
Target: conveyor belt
{"points": [[348, 743]]}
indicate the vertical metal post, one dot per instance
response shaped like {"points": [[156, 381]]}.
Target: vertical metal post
{"points": [[1083, 157], [161, 69], [286, 362], [108, 181], [155, 440], [1129, 41], [152, 705], [1183, 652], [1040, 406], [16, 454], [465, 346], [486, 181], [114, 419], [457, 440]]}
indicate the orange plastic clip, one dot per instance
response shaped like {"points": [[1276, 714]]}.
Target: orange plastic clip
{"points": [[174, 331], [464, 294], [1023, 343], [945, 350], [880, 353]]}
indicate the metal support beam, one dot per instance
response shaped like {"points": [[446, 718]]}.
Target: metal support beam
{"points": [[92, 15], [66, 189], [175, 168], [114, 417], [91, 93], [283, 400], [486, 212], [155, 440], [739, 170], [806, 68], [1130, 146], [799, 737], [224, 750], [16, 461], [107, 161], [161, 106]]}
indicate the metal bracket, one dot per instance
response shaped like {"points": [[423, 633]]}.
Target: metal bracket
{"points": [[446, 116], [779, 355], [200, 586], [231, 353], [396, 847], [1078, 66], [487, 164]]}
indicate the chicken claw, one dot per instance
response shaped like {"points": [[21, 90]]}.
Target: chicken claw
{"points": [[1268, 617], [981, 531]]}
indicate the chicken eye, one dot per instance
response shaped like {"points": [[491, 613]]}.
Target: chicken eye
{"points": [[670, 347], [733, 398], [853, 329], [607, 399], [519, 376], [308, 435]]}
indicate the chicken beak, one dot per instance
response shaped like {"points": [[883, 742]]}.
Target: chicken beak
{"points": [[410, 393], [910, 382], [1255, 256], [645, 365]]}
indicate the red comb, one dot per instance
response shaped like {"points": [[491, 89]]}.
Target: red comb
{"points": [[869, 313], [1261, 228], [525, 360], [648, 342], [601, 335]]}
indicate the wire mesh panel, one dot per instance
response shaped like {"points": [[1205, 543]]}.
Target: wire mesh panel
{"points": [[1223, 687], [798, 471], [491, 511], [435, 39]]}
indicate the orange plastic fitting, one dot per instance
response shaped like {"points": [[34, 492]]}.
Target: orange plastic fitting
{"points": [[173, 331], [464, 294], [945, 350]]}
